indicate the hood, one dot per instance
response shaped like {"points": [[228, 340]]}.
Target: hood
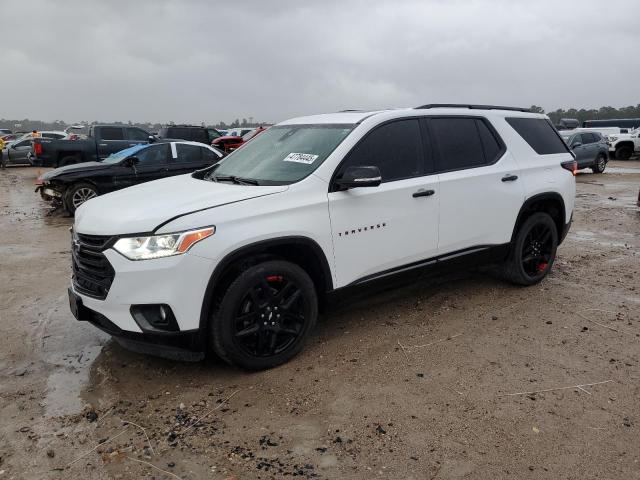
{"points": [[78, 167], [144, 207]]}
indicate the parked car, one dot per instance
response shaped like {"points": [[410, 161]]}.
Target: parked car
{"points": [[623, 146], [5, 131], [18, 151], [590, 149], [75, 184], [230, 143], [240, 257], [103, 140], [192, 133], [568, 124]]}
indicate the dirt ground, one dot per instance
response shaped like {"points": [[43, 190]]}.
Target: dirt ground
{"points": [[422, 382]]}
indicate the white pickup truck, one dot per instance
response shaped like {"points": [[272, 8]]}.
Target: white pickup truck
{"points": [[623, 145]]}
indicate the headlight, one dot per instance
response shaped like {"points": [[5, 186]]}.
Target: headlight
{"points": [[158, 246]]}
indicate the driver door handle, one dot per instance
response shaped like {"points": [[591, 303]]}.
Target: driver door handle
{"points": [[423, 193], [509, 178]]}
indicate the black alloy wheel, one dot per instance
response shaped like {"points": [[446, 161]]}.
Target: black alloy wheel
{"points": [[265, 315], [537, 250], [533, 250], [270, 317]]}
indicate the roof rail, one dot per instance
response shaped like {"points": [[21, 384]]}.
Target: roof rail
{"points": [[471, 107]]}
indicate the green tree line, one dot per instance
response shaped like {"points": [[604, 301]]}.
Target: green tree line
{"points": [[602, 113]]}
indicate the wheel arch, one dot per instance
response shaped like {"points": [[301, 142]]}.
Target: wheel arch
{"points": [[547, 202], [302, 251]]}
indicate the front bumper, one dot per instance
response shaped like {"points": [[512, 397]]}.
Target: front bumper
{"points": [[179, 282], [183, 345], [48, 193]]}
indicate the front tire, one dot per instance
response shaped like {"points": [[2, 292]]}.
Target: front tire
{"points": [[600, 165], [77, 194], [533, 251], [265, 316]]}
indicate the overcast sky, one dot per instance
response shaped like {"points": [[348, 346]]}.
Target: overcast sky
{"points": [[195, 61]]}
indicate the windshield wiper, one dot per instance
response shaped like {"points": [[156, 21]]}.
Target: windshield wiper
{"points": [[234, 179]]}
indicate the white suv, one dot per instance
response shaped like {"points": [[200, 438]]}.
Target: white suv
{"points": [[239, 257]]}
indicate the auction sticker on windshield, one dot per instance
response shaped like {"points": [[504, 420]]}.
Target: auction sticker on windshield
{"points": [[306, 158]]}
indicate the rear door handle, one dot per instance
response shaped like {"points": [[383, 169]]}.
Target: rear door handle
{"points": [[509, 178], [423, 193]]}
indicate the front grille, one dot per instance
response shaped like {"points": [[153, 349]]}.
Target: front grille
{"points": [[92, 272]]}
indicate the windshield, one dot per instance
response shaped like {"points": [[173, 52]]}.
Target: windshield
{"points": [[283, 155], [565, 137], [122, 154]]}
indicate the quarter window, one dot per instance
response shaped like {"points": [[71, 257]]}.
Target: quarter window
{"points": [[539, 134], [395, 148]]}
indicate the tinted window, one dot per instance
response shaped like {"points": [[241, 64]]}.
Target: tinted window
{"points": [[111, 133], [459, 143], [52, 135], [137, 134], [153, 155], [209, 156], [492, 148], [539, 134], [395, 148], [188, 153]]}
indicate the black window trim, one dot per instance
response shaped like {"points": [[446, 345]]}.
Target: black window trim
{"points": [[333, 186], [492, 130]]}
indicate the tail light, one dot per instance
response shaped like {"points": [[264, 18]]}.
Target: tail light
{"points": [[37, 148], [571, 165]]}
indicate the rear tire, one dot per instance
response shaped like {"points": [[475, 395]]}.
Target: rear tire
{"points": [[533, 251], [623, 153], [77, 194], [265, 316], [601, 164]]}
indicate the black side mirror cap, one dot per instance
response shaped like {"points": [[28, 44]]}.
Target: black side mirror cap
{"points": [[577, 144], [354, 177]]}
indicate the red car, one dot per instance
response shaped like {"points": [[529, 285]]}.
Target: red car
{"points": [[229, 144]]}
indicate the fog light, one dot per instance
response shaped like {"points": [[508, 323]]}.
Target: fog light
{"points": [[155, 318]]}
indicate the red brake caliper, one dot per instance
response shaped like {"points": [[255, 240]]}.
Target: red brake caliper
{"points": [[542, 266]]}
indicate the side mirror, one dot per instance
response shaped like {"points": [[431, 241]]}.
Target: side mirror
{"points": [[576, 144], [152, 139], [354, 177]]}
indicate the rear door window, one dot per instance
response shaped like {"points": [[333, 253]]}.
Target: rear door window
{"points": [[539, 134], [459, 143], [187, 153], [111, 133]]}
